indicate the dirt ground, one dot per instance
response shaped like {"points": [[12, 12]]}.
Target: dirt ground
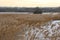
{"points": [[13, 24]]}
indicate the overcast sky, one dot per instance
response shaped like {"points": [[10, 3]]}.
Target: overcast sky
{"points": [[30, 3]]}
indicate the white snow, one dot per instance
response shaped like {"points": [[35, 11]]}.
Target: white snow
{"points": [[46, 33]]}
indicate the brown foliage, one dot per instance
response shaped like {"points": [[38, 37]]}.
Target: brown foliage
{"points": [[11, 24]]}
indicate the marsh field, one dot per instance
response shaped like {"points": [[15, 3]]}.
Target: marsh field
{"points": [[17, 26]]}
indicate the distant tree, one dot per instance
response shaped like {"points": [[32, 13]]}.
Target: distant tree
{"points": [[37, 11]]}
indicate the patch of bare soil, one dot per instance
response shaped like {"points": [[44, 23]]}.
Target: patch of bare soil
{"points": [[27, 27]]}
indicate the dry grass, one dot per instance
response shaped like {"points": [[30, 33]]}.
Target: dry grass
{"points": [[13, 24]]}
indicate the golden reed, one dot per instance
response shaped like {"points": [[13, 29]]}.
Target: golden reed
{"points": [[13, 24]]}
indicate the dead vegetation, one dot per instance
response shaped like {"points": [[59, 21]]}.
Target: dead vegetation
{"points": [[13, 24]]}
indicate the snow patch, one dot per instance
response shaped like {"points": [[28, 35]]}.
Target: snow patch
{"points": [[47, 31]]}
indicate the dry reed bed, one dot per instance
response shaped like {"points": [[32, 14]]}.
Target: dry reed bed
{"points": [[13, 24]]}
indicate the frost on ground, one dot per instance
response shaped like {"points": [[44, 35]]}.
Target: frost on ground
{"points": [[48, 31]]}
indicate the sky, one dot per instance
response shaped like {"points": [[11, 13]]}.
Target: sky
{"points": [[29, 3]]}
